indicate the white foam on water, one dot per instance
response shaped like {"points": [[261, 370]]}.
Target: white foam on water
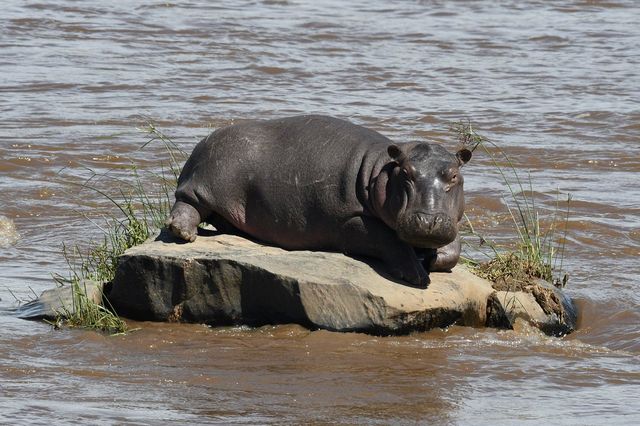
{"points": [[8, 233]]}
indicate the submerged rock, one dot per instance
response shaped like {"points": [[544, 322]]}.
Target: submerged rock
{"points": [[60, 301], [226, 279]]}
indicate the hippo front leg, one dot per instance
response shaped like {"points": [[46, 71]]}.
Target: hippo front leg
{"points": [[444, 258], [370, 237]]}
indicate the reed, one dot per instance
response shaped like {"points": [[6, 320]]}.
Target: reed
{"points": [[539, 248], [138, 213]]}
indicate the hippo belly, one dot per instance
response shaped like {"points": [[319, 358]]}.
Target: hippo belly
{"points": [[291, 182]]}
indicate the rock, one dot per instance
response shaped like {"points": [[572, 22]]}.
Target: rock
{"points": [[226, 279], [59, 301]]}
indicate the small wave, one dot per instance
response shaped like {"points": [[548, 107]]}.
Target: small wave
{"points": [[8, 233]]}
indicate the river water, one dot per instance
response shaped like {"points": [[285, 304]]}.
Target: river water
{"points": [[555, 84]]}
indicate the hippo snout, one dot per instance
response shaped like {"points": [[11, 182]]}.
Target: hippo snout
{"points": [[427, 230]]}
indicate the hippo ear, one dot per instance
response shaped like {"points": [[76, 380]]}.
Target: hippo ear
{"points": [[396, 153], [463, 156], [402, 160]]}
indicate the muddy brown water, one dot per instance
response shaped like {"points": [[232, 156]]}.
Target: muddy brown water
{"points": [[555, 84]]}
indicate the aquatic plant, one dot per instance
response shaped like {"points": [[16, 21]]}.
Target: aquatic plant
{"points": [[538, 251], [139, 212]]}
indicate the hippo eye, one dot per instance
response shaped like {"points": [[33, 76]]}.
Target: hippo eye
{"points": [[450, 176]]}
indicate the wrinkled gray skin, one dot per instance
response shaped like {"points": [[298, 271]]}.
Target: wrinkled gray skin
{"points": [[320, 183]]}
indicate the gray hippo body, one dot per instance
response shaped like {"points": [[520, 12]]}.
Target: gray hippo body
{"points": [[320, 183]]}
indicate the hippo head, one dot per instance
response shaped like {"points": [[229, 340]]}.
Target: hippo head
{"points": [[424, 198]]}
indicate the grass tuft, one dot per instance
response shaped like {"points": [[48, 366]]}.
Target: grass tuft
{"points": [[139, 212], [538, 252], [88, 313]]}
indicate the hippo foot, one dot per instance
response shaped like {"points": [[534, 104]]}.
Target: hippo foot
{"points": [[183, 221], [182, 233], [444, 258]]}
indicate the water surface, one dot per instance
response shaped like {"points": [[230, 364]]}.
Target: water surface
{"points": [[555, 84]]}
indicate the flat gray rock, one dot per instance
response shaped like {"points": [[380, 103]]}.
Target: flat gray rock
{"points": [[226, 279]]}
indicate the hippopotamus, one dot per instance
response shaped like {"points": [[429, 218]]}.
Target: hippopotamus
{"points": [[313, 182]]}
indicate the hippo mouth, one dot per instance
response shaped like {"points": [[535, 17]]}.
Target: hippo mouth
{"points": [[427, 230]]}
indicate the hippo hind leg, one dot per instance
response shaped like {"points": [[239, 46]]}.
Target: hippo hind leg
{"points": [[183, 221]]}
